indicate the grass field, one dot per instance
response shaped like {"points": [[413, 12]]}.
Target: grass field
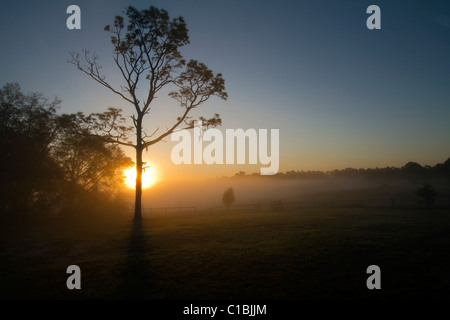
{"points": [[302, 254]]}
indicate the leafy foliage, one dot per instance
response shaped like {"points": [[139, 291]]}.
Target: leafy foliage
{"points": [[51, 162]]}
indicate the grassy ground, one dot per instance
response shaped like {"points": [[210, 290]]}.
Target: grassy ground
{"points": [[303, 254]]}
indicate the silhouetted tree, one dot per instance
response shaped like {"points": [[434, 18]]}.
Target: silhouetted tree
{"points": [[426, 195], [48, 160], [90, 166], [27, 130], [228, 197], [147, 50]]}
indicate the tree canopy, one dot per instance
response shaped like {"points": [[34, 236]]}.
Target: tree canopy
{"points": [[51, 162]]}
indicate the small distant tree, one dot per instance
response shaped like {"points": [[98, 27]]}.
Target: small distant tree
{"points": [[228, 197], [426, 194]]}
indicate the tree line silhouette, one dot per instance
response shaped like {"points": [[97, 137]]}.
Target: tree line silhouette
{"points": [[411, 171], [53, 163]]}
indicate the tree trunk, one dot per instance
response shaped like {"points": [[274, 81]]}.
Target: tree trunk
{"points": [[138, 198], [139, 149]]}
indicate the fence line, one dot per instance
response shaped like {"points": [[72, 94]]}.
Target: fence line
{"points": [[237, 207], [280, 205], [169, 209]]}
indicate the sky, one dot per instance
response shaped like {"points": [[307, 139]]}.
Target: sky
{"points": [[340, 94]]}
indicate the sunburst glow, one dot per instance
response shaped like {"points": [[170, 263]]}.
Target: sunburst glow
{"points": [[149, 177]]}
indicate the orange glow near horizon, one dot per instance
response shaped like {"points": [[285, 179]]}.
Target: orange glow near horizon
{"points": [[149, 177]]}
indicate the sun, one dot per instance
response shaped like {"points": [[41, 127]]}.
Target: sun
{"points": [[149, 177]]}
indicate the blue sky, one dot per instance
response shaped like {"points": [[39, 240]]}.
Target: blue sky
{"points": [[341, 95]]}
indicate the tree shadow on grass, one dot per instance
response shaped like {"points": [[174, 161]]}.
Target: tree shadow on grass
{"points": [[137, 278]]}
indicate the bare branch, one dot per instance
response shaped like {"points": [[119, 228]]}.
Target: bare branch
{"points": [[92, 69], [110, 126]]}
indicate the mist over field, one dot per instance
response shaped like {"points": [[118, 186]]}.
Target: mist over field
{"points": [[208, 193], [205, 194]]}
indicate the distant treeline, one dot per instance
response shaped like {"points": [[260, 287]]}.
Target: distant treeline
{"points": [[52, 163], [411, 171]]}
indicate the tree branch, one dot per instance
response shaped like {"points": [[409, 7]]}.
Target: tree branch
{"points": [[93, 70]]}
